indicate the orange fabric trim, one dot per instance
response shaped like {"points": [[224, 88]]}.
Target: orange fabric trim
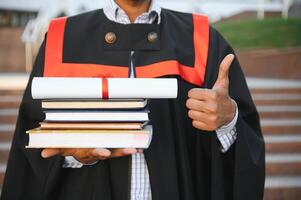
{"points": [[194, 75], [54, 66], [105, 88]]}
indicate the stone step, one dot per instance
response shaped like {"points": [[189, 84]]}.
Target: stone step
{"points": [[4, 151], [279, 108], [280, 111], [280, 115], [8, 116], [283, 164], [272, 96], [13, 81], [283, 182], [284, 138], [291, 193], [2, 173], [277, 99], [6, 136], [4, 156], [10, 101], [8, 119], [283, 158], [11, 92], [276, 169], [267, 130], [7, 128], [283, 188], [9, 105], [277, 102], [283, 143], [280, 126], [275, 90]]}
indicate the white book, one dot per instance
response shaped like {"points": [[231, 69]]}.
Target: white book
{"points": [[90, 138], [94, 104], [74, 88], [96, 116]]}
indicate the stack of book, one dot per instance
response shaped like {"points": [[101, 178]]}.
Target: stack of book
{"points": [[96, 113]]}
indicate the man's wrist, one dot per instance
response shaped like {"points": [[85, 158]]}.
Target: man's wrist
{"points": [[232, 121], [227, 134], [232, 113]]}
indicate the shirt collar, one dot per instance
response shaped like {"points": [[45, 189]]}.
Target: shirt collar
{"points": [[114, 12]]}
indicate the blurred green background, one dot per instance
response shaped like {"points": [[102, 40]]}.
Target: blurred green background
{"points": [[265, 33]]}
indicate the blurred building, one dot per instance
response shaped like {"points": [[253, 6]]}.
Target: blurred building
{"points": [[295, 9], [34, 16], [15, 18]]}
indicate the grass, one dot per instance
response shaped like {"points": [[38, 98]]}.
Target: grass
{"points": [[267, 33]]}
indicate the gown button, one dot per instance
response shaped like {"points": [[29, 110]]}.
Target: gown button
{"points": [[152, 37], [110, 37]]}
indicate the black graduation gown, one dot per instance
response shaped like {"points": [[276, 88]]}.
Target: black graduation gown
{"points": [[184, 163]]}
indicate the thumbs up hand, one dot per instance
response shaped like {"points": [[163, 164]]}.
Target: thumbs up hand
{"points": [[210, 109]]}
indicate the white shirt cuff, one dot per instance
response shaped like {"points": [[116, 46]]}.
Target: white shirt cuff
{"points": [[227, 134], [71, 162]]}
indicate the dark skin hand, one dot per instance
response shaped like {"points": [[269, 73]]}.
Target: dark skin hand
{"points": [[89, 156], [210, 109]]}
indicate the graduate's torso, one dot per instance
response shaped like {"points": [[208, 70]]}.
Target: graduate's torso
{"points": [[89, 45]]}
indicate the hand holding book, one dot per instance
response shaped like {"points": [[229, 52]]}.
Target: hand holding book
{"points": [[95, 119], [89, 156]]}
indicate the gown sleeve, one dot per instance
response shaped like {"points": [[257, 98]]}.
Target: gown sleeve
{"points": [[243, 165]]}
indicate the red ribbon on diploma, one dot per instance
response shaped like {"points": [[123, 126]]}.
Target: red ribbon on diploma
{"points": [[105, 88]]}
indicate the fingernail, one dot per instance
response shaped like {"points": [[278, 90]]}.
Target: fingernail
{"points": [[107, 152], [232, 56], [44, 154], [103, 152]]}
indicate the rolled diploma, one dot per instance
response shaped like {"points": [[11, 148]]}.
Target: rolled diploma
{"points": [[82, 88]]}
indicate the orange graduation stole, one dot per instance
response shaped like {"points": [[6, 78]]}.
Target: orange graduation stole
{"points": [[55, 67]]}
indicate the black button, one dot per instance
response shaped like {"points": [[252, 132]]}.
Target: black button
{"points": [[152, 37], [110, 37]]}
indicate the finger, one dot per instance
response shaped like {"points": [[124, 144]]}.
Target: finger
{"points": [[100, 153], [201, 106], [123, 152], [197, 105], [79, 153], [223, 73], [87, 155], [47, 153], [198, 116], [199, 125], [140, 150], [202, 94]]}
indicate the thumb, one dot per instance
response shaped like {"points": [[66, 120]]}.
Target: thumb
{"points": [[223, 79]]}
